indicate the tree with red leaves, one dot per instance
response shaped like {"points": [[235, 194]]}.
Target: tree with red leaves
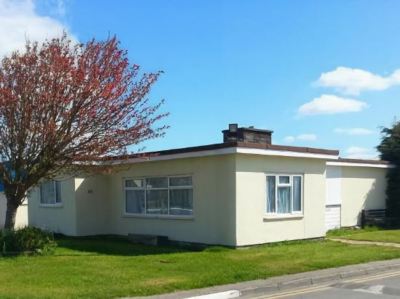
{"points": [[64, 104]]}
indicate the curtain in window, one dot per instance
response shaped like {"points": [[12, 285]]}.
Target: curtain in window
{"points": [[284, 201], [47, 193], [135, 201], [181, 202], [58, 191], [157, 201], [270, 194], [297, 193]]}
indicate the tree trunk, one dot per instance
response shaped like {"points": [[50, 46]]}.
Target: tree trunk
{"points": [[11, 214]]}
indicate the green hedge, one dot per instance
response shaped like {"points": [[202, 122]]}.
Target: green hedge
{"points": [[27, 240]]}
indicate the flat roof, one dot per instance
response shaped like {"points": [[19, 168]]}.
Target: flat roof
{"points": [[359, 163], [369, 161], [226, 145]]}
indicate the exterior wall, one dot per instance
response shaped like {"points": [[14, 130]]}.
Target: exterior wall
{"points": [[93, 205], [100, 202], [253, 225], [59, 218], [229, 200], [22, 213], [362, 188]]}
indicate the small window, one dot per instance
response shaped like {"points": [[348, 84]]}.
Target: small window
{"points": [[157, 183], [297, 193], [284, 194], [180, 181], [284, 179], [159, 196], [50, 193], [134, 183], [271, 194]]}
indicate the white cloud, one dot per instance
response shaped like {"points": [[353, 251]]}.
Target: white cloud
{"points": [[301, 137], [307, 137], [19, 21], [354, 131], [353, 81], [331, 104], [289, 139], [356, 152]]}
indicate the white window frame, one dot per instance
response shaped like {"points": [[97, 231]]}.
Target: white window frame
{"points": [[168, 188], [54, 203], [277, 185]]}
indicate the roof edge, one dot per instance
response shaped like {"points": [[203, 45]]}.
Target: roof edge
{"points": [[233, 145], [359, 163]]}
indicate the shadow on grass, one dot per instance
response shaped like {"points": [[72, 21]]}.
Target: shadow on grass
{"points": [[112, 245]]}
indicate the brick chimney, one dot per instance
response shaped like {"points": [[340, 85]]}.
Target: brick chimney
{"points": [[247, 135]]}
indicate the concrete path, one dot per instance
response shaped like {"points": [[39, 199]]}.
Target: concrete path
{"points": [[359, 242], [266, 287]]}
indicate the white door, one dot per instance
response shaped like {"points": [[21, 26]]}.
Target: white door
{"points": [[332, 217]]}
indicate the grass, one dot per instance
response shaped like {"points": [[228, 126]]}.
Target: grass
{"points": [[368, 234], [112, 267]]}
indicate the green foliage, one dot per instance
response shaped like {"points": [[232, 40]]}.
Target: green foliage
{"points": [[27, 240], [390, 151], [348, 231], [373, 235], [390, 144]]}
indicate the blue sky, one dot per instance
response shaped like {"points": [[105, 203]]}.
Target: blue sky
{"points": [[318, 73]]}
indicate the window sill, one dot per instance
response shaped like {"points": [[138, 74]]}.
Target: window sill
{"points": [[168, 217], [283, 217], [57, 205]]}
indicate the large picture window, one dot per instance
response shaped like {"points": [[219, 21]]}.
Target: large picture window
{"points": [[50, 193], [284, 194], [159, 196]]}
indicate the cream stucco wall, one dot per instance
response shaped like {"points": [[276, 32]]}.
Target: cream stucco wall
{"points": [[93, 205], [58, 218], [253, 226], [22, 212], [229, 200], [362, 188], [213, 221]]}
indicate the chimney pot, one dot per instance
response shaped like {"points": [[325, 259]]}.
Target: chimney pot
{"points": [[233, 128]]}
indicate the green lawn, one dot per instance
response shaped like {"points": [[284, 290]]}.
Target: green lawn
{"points": [[369, 234], [108, 268]]}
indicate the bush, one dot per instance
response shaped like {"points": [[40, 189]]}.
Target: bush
{"points": [[27, 240]]}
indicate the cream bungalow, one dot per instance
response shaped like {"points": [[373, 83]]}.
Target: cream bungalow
{"points": [[243, 191]]}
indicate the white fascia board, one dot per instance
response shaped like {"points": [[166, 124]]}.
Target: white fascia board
{"points": [[216, 152], [225, 151], [268, 152], [351, 164]]}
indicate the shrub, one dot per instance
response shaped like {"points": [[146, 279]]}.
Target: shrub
{"points": [[27, 240]]}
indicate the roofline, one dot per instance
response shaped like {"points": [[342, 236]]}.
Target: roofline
{"points": [[360, 163], [228, 148]]}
